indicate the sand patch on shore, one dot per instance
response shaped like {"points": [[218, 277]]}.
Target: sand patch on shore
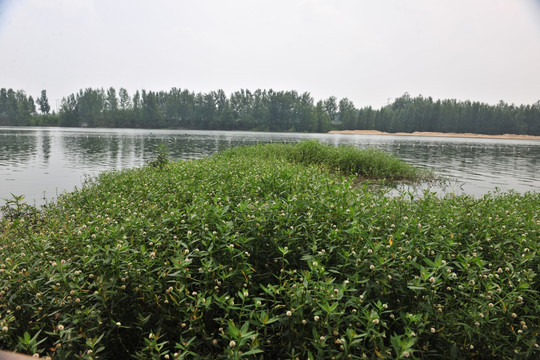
{"points": [[437, 134]]}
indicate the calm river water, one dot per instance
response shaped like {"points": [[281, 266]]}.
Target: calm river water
{"points": [[43, 162]]}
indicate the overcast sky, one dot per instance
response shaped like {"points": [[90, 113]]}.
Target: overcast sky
{"points": [[367, 51]]}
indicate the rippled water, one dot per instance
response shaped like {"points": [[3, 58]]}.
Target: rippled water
{"points": [[42, 162]]}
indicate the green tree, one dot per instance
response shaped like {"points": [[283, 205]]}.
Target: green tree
{"points": [[90, 105], [331, 108], [25, 108], [205, 108], [125, 100], [3, 107], [224, 116], [68, 113], [366, 118], [258, 109], [322, 118], [111, 102], [151, 114], [11, 107], [304, 114], [137, 109], [240, 104], [43, 102], [347, 114], [111, 114]]}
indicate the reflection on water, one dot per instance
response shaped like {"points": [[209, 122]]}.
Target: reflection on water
{"points": [[42, 162], [481, 164], [19, 147]]}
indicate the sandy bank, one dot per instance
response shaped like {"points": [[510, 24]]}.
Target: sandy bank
{"points": [[425, 133]]}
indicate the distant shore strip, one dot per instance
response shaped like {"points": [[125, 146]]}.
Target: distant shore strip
{"points": [[437, 134]]}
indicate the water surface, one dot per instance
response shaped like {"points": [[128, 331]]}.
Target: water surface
{"points": [[43, 162]]}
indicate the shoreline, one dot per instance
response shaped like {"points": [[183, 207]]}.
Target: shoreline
{"points": [[437, 134]]}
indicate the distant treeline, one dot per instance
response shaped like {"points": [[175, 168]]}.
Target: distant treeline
{"points": [[263, 110]]}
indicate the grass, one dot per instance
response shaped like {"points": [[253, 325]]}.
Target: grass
{"points": [[370, 164], [269, 252]]}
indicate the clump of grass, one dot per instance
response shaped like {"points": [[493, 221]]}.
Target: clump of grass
{"points": [[370, 164], [250, 254]]}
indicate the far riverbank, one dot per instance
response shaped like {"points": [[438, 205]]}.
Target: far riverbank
{"points": [[437, 134]]}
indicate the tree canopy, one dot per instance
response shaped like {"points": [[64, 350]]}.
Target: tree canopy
{"points": [[264, 110]]}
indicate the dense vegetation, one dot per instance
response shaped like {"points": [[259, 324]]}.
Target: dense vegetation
{"points": [[265, 111], [267, 252]]}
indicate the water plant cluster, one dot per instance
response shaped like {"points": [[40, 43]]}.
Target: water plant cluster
{"points": [[268, 252]]}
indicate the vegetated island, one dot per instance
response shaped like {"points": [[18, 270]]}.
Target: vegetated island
{"points": [[437, 134], [270, 251]]}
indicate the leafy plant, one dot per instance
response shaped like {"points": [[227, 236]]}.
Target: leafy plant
{"points": [[16, 210], [252, 253], [162, 157]]}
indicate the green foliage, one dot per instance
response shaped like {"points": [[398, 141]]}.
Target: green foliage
{"points": [[370, 163], [162, 157], [43, 102], [16, 108], [16, 210], [252, 254], [265, 110], [408, 114]]}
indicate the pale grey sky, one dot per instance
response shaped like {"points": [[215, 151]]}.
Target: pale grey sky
{"points": [[367, 51]]}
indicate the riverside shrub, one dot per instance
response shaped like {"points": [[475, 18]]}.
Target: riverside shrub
{"points": [[261, 252]]}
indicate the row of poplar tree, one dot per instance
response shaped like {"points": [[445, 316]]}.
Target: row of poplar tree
{"points": [[263, 110]]}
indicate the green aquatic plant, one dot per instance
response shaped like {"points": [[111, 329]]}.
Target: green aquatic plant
{"points": [[369, 163], [253, 254], [17, 211], [162, 157]]}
